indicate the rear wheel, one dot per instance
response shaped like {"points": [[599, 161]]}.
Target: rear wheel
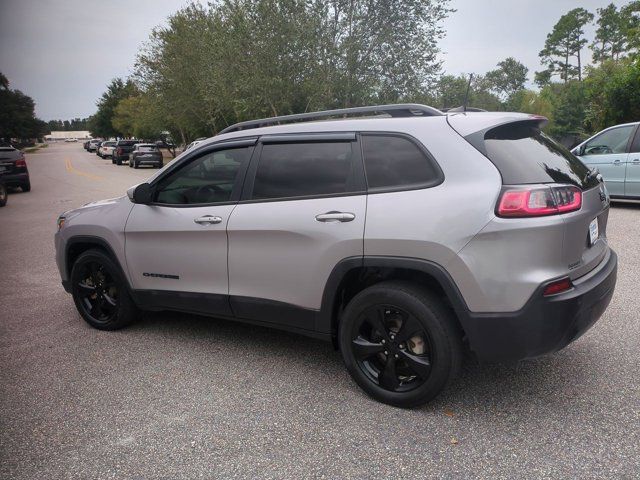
{"points": [[26, 187], [100, 292], [399, 343], [3, 195]]}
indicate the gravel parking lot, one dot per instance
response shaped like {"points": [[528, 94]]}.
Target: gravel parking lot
{"points": [[180, 396]]}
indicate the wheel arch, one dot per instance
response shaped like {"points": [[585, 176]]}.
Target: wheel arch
{"points": [[354, 274], [77, 245]]}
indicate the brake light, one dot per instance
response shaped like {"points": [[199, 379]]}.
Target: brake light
{"points": [[539, 201], [119, 151], [21, 162], [558, 286]]}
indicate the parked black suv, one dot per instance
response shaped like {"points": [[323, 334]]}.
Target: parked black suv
{"points": [[122, 151], [13, 169]]}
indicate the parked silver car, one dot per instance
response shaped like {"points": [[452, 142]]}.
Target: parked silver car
{"points": [[615, 152], [402, 238]]}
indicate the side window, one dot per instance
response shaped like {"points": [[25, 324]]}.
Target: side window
{"points": [[635, 146], [303, 169], [611, 141], [207, 179], [392, 161]]}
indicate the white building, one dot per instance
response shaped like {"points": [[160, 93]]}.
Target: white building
{"points": [[61, 136]]}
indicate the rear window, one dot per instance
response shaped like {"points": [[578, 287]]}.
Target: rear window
{"points": [[147, 148], [126, 143], [523, 154]]}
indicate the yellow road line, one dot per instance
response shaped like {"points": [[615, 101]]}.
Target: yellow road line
{"points": [[70, 169]]}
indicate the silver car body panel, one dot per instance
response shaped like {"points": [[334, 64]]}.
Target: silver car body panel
{"points": [[278, 251]]}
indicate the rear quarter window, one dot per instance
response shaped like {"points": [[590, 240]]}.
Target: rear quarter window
{"points": [[524, 154], [395, 162]]}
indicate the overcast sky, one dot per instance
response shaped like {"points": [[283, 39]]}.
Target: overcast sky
{"points": [[63, 53]]}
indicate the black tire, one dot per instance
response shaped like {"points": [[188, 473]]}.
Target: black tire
{"points": [[100, 292], [26, 187], [135, 164], [4, 195], [113, 160], [400, 343], [118, 162]]}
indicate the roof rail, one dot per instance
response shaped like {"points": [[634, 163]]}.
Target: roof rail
{"points": [[396, 110], [462, 109]]}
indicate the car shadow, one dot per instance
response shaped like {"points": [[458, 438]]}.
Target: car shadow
{"points": [[505, 387]]}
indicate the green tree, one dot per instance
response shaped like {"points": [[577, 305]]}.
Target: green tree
{"points": [[610, 40], [17, 115], [508, 78], [564, 43], [630, 19], [238, 59], [612, 93], [452, 90], [101, 124], [568, 109]]}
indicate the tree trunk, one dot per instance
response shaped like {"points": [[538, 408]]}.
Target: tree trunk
{"points": [[579, 67]]}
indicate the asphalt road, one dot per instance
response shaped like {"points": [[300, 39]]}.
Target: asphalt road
{"points": [[180, 396]]}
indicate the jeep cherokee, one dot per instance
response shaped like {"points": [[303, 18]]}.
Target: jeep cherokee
{"points": [[403, 237]]}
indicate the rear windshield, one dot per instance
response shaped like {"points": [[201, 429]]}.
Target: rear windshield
{"points": [[127, 143], [147, 148], [108, 144], [523, 154]]}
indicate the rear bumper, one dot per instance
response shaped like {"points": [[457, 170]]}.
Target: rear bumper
{"points": [[544, 324], [15, 179]]}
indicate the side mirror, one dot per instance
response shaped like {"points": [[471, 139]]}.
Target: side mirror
{"points": [[142, 193]]}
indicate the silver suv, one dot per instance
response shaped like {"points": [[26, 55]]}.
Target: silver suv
{"points": [[403, 237]]}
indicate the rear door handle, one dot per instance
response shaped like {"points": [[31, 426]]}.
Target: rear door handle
{"points": [[335, 217], [636, 161], [208, 220], [616, 161]]}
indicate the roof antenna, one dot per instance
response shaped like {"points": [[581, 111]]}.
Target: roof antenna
{"points": [[466, 97]]}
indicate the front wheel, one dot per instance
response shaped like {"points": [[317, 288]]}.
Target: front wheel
{"points": [[100, 292], [400, 343], [3, 195]]}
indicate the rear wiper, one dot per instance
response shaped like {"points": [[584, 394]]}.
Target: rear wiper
{"points": [[593, 173]]}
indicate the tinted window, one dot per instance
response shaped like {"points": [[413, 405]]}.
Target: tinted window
{"points": [[208, 179], [302, 169], [127, 143], [147, 148], [635, 147], [392, 161], [523, 154], [611, 141]]}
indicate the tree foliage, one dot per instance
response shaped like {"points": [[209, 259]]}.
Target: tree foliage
{"points": [[564, 43], [508, 78], [101, 124], [17, 114], [239, 59], [611, 39]]}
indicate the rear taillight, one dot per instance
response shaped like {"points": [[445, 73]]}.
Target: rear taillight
{"points": [[119, 151], [21, 162], [557, 287], [538, 201]]}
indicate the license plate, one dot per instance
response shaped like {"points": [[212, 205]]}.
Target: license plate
{"points": [[593, 231]]}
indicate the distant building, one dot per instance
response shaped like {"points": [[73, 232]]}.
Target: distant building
{"points": [[61, 136]]}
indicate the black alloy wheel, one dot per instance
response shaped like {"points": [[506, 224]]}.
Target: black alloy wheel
{"points": [[392, 348], [100, 293], [400, 343]]}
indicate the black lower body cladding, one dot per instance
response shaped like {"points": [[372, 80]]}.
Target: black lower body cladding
{"points": [[544, 324]]}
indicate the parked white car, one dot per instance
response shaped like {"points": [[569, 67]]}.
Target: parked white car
{"points": [[106, 149]]}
